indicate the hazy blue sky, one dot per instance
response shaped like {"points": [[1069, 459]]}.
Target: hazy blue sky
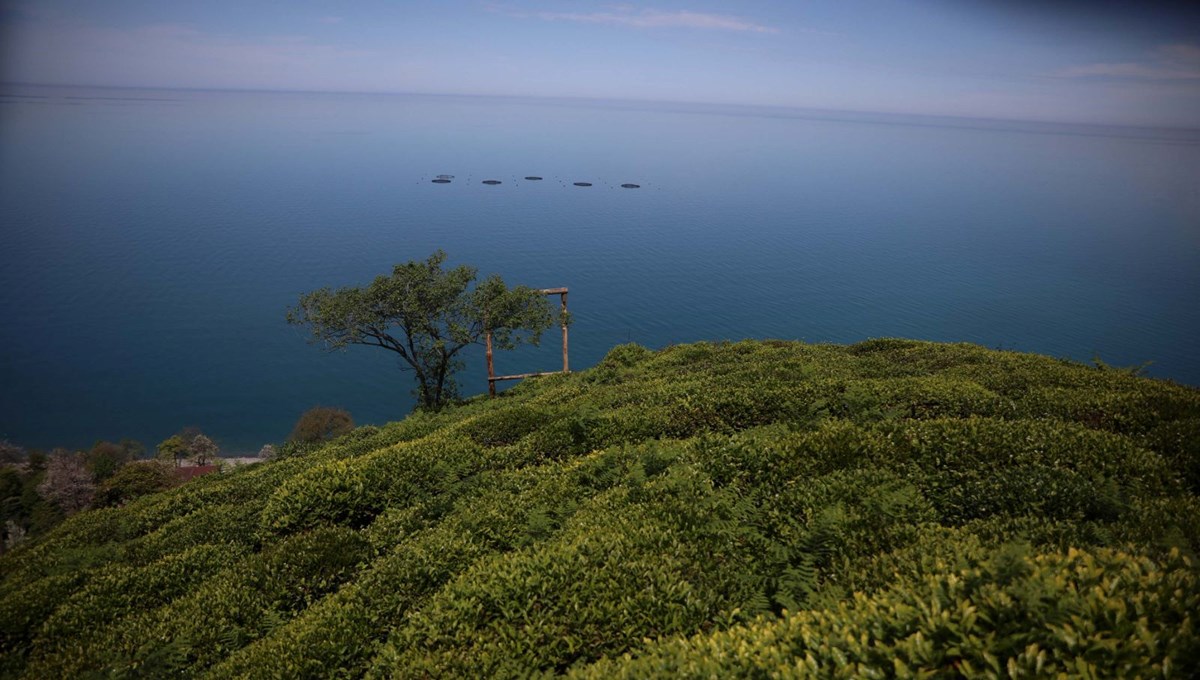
{"points": [[1098, 61]]}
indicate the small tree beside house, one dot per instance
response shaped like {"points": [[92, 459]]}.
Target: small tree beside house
{"points": [[203, 450], [173, 449]]}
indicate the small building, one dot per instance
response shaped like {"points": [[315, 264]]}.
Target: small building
{"points": [[190, 472]]}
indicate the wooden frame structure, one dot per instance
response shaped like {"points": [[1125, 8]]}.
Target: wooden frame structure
{"points": [[493, 378]]}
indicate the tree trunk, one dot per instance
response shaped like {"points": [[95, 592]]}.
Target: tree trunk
{"points": [[441, 381]]}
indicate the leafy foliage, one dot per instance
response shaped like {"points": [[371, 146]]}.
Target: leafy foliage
{"points": [[104, 459], [133, 481], [68, 484], [202, 450], [172, 449], [11, 454], [318, 424], [755, 509], [23, 511], [426, 315], [1082, 614]]}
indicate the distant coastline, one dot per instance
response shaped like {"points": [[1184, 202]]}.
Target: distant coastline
{"points": [[1175, 134]]}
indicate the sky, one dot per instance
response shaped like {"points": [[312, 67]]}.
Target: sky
{"points": [[1097, 61]]}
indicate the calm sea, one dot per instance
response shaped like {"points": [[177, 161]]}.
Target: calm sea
{"points": [[152, 240]]}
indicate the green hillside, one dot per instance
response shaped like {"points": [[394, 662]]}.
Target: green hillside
{"points": [[758, 508]]}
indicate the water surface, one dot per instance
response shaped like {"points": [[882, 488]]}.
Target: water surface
{"points": [[152, 240]]}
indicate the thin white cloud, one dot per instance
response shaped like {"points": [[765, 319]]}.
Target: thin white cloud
{"points": [[651, 18], [1167, 62], [1180, 53], [1131, 70], [179, 55]]}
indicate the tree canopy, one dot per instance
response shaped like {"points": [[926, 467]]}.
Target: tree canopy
{"points": [[67, 483], [10, 453], [202, 449], [426, 314], [134, 481], [105, 457], [172, 449], [321, 423]]}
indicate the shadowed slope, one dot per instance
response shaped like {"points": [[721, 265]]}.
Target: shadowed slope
{"points": [[707, 508]]}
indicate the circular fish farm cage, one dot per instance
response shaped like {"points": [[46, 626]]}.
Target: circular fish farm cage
{"points": [[447, 179]]}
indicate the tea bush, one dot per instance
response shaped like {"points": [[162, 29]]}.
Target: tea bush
{"points": [[1082, 614], [23, 611], [215, 616], [756, 509], [623, 571], [226, 524], [116, 592], [1179, 443], [341, 631]]}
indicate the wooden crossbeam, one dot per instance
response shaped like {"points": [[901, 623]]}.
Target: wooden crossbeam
{"points": [[493, 378], [521, 376]]}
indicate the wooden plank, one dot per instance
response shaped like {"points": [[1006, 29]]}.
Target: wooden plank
{"points": [[519, 376], [493, 378], [566, 369], [491, 368]]}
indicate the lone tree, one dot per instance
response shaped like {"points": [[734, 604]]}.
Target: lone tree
{"points": [[67, 483], [321, 424], [427, 315], [10, 453], [202, 449], [173, 448], [105, 458]]}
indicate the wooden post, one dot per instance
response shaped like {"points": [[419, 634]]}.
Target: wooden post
{"points": [[493, 378], [491, 369], [566, 368]]}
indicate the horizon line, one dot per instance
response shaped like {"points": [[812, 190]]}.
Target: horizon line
{"points": [[584, 98]]}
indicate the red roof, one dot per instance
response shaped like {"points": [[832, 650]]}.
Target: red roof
{"points": [[193, 471]]}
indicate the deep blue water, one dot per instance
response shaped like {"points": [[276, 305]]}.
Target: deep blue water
{"points": [[151, 240]]}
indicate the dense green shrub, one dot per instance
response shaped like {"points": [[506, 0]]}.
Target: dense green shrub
{"points": [[727, 509], [505, 511], [226, 524], [218, 615], [352, 492], [1083, 614], [78, 542], [582, 433], [133, 481], [1160, 524], [1179, 443], [341, 631], [625, 356], [623, 571], [501, 427], [24, 610], [321, 424], [116, 592]]}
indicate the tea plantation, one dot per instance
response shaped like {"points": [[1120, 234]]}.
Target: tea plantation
{"points": [[760, 509]]}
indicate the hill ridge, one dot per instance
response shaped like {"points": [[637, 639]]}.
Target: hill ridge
{"points": [[765, 506]]}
